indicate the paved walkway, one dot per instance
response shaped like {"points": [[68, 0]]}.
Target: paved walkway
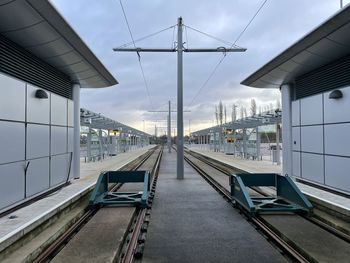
{"points": [[27, 218]]}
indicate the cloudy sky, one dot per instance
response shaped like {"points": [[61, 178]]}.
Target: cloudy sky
{"points": [[102, 26]]}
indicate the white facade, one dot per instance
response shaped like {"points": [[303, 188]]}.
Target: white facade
{"points": [[320, 139], [36, 137]]}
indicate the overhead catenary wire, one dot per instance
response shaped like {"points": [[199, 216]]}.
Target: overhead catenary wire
{"points": [[147, 36], [138, 55], [224, 55], [210, 36]]}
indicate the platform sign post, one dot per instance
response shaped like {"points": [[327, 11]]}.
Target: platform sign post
{"points": [[180, 49]]}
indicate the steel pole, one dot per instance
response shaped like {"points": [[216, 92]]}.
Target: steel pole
{"points": [[169, 128], [179, 141]]}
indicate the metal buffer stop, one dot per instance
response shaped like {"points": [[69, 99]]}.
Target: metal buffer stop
{"points": [[102, 196], [288, 197]]}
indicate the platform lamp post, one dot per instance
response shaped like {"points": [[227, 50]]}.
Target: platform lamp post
{"points": [[180, 49]]}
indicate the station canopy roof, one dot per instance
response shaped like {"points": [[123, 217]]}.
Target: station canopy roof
{"points": [[97, 121], [326, 43], [38, 27], [262, 119]]}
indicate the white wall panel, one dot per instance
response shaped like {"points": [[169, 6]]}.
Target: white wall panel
{"points": [[58, 140], [337, 172], [312, 139], [311, 110], [38, 141], [70, 139], [296, 138], [37, 178], [59, 169], [337, 139], [312, 167], [58, 110], [337, 110], [12, 99], [296, 164], [70, 113], [38, 110], [11, 183], [12, 141], [296, 113]]}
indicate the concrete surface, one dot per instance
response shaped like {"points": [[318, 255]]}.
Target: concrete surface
{"points": [[191, 222], [31, 216]]}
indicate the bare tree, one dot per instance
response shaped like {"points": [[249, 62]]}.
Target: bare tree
{"points": [[278, 104], [221, 112], [225, 114], [242, 112], [252, 107], [234, 113]]}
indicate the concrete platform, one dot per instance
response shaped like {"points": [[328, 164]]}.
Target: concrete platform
{"points": [[31, 216], [191, 222], [335, 202]]}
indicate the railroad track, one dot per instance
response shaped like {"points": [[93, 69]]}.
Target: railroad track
{"points": [[126, 249], [207, 167]]}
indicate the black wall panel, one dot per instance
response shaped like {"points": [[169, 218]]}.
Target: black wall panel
{"points": [[331, 76], [17, 62]]}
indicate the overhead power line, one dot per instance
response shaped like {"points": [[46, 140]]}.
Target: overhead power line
{"points": [[147, 36], [224, 55], [138, 55]]}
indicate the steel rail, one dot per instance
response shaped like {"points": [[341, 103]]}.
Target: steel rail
{"points": [[50, 251], [131, 249]]}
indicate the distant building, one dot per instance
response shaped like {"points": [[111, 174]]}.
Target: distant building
{"points": [[43, 65], [314, 78]]}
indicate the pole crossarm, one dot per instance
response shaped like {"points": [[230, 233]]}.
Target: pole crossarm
{"points": [[145, 49], [219, 49], [188, 50]]}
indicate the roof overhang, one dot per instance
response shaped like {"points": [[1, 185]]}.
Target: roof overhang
{"points": [[38, 27], [328, 42]]}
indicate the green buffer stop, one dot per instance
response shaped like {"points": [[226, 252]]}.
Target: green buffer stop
{"points": [[103, 197], [288, 197]]}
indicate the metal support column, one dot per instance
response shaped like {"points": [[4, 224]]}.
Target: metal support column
{"points": [[100, 140], [76, 139], [245, 143], [287, 160], [278, 152], [180, 129], [258, 140], [88, 146]]}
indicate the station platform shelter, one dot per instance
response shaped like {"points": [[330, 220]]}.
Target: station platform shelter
{"points": [[43, 66], [313, 76]]}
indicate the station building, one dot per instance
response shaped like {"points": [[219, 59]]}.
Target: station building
{"points": [[314, 78], [43, 65]]}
